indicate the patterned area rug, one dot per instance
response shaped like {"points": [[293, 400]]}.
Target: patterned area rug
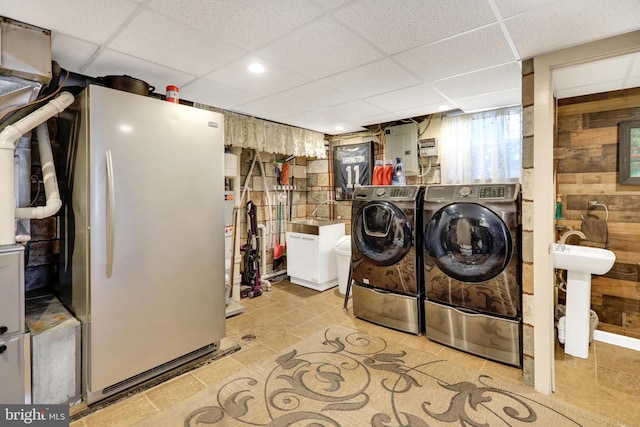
{"points": [[341, 377]]}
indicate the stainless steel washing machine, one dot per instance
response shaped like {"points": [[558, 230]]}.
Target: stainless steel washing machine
{"points": [[386, 256], [472, 269]]}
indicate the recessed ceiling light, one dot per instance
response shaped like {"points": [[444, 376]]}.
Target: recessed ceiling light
{"points": [[444, 107], [339, 128], [256, 68]]}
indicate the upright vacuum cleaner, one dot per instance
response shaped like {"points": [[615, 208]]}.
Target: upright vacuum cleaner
{"points": [[250, 279]]}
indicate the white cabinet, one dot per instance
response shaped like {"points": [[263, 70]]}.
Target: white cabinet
{"points": [[311, 259], [11, 291], [302, 255], [15, 356], [15, 369]]}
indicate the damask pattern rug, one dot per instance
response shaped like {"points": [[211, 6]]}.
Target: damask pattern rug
{"points": [[342, 377]]}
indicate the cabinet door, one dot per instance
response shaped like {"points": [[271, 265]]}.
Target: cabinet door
{"points": [[310, 262], [295, 257], [12, 369], [11, 292]]}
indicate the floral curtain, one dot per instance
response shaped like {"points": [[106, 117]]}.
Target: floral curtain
{"points": [[482, 147], [264, 136]]}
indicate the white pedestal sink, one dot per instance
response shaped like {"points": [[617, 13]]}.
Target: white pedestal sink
{"points": [[580, 262]]}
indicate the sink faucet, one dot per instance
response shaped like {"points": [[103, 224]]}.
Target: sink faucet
{"points": [[326, 202], [564, 237]]}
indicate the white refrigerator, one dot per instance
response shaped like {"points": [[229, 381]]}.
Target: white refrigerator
{"points": [[145, 236]]}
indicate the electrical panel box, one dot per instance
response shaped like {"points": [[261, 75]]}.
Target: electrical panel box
{"points": [[427, 147], [402, 141]]}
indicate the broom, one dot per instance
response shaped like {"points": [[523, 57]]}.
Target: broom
{"points": [[278, 249]]}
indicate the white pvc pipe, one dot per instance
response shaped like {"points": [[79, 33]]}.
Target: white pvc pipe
{"points": [[7, 195], [52, 193], [8, 139]]}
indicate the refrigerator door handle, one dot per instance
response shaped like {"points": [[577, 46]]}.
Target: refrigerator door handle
{"points": [[110, 206]]}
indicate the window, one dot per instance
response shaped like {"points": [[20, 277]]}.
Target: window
{"points": [[482, 147]]}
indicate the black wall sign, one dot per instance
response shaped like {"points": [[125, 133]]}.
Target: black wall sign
{"points": [[352, 167]]}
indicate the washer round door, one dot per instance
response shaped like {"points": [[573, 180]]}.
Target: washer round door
{"points": [[382, 233], [468, 242]]}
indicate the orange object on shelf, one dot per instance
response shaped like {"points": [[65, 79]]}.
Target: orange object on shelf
{"points": [[173, 94], [378, 173], [388, 173], [284, 178]]}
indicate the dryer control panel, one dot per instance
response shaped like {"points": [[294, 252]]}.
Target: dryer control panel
{"points": [[492, 192], [488, 192]]}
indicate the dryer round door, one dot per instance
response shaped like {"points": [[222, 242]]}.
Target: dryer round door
{"points": [[468, 242], [382, 233]]}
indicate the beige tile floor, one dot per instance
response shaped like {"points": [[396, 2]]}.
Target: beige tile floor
{"points": [[606, 383]]}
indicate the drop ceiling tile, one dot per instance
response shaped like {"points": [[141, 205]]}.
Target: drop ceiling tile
{"points": [[268, 109], [352, 111], [322, 117], [312, 96], [156, 38], [347, 128], [320, 49], [275, 78], [110, 62], [214, 94], [94, 21], [322, 122], [372, 79], [331, 4], [471, 51], [508, 8], [426, 110], [490, 101], [549, 28], [244, 23], [71, 53], [380, 118], [407, 98], [396, 28], [490, 80]]}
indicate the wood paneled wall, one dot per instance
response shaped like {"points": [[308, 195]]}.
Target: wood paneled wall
{"points": [[586, 153]]}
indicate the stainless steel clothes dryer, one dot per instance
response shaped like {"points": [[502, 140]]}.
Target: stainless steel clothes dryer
{"points": [[386, 256], [472, 269]]}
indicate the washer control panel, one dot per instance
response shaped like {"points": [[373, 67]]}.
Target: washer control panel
{"points": [[388, 192]]}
